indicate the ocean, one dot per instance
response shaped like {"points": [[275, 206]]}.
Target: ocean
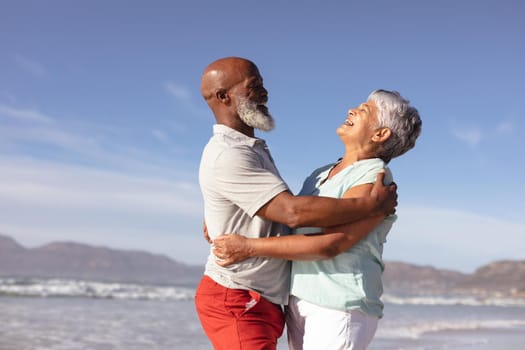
{"points": [[82, 315]]}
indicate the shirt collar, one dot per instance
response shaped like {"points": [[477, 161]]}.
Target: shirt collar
{"points": [[237, 135]]}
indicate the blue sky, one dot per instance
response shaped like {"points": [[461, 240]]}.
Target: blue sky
{"points": [[102, 123]]}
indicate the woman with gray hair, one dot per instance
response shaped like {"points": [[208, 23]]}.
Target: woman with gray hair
{"points": [[396, 114], [336, 272]]}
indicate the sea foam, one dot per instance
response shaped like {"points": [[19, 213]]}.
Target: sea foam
{"points": [[466, 300], [91, 289]]}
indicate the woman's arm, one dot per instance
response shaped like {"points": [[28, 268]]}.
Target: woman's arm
{"points": [[232, 248]]}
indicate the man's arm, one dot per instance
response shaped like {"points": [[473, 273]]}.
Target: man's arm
{"points": [[233, 248], [335, 240], [300, 211]]}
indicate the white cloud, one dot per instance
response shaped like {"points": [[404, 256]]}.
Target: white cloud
{"points": [[123, 196], [48, 135], [505, 128], [47, 201], [31, 66], [177, 128], [180, 92], [454, 239], [59, 185], [474, 135], [106, 145], [471, 136], [184, 96], [160, 135], [24, 115]]}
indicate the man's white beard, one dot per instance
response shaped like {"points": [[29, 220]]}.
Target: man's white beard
{"points": [[252, 116]]}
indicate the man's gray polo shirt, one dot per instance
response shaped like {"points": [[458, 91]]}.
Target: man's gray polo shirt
{"points": [[237, 177]]}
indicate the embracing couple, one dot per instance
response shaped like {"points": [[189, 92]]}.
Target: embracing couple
{"points": [[318, 253]]}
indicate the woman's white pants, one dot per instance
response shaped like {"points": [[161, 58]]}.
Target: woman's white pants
{"points": [[312, 327]]}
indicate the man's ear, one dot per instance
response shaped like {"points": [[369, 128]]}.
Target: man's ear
{"points": [[222, 96], [381, 135]]}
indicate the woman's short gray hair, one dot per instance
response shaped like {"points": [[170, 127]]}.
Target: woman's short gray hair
{"points": [[402, 119]]}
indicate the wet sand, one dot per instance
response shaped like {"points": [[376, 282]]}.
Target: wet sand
{"points": [[487, 339], [482, 339]]}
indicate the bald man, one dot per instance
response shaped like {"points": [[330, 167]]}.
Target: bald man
{"points": [[239, 306]]}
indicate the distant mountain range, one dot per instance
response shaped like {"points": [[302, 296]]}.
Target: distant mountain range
{"points": [[504, 278], [81, 261]]}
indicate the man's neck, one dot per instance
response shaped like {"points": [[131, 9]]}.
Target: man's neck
{"points": [[240, 126]]}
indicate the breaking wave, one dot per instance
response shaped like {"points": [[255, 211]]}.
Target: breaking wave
{"points": [[91, 289], [454, 300]]}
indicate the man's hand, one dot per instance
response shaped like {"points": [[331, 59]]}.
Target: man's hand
{"points": [[205, 231], [231, 248], [384, 196]]}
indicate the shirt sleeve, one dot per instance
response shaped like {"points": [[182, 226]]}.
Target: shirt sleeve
{"points": [[245, 178], [369, 170]]}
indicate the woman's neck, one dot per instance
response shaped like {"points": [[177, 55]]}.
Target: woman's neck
{"points": [[350, 157]]}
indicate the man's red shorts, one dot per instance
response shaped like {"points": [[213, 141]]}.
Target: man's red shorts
{"points": [[236, 319]]}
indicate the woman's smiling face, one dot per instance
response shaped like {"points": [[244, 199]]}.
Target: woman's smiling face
{"points": [[360, 124]]}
